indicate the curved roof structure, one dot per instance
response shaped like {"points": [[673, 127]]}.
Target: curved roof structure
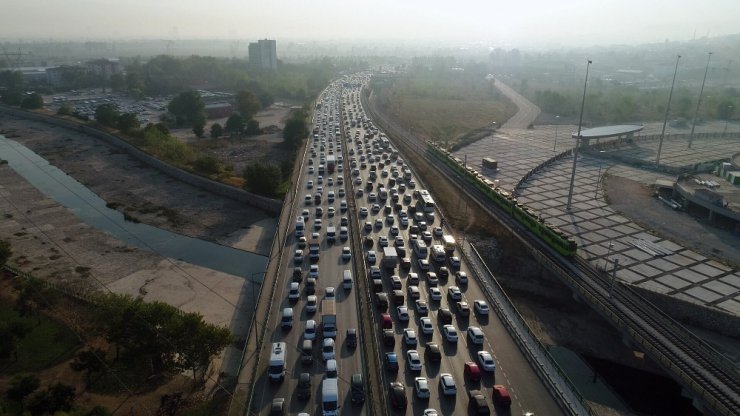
{"points": [[609, 131]]}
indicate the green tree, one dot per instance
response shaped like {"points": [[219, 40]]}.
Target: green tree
{"points": [[22, 385], [235, 124], [57, 397], [89, 361], [247, 104], [216, 130], [295, 130], [187, 107], [12, 82], [128, 123], [6, 252], [10, 334], [198, 343], [33, 102], [107, 115], [117, 82], [262, 178], [66, 110], [253, 128], [199, 125]]}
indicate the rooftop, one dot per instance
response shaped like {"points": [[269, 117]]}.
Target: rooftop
{"points": [[609, 131]]}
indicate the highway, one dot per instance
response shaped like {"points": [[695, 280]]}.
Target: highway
{"points": [[364, 148]]}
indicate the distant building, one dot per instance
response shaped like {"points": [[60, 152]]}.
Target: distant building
{"points": [[263, 54], [104, 68], [218, 110]]}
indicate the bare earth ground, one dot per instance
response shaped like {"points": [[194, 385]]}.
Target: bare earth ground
{"points": [[50, 242]]}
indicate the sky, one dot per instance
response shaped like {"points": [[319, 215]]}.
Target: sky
{"points": [[493, 22]]}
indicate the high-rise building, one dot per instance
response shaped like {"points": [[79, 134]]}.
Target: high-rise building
{"points": [[263, 54]]}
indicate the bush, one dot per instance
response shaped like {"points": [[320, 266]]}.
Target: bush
{"points": [[32, 102]]}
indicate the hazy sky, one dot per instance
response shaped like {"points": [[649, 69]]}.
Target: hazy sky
{"points": [[496, 22]]}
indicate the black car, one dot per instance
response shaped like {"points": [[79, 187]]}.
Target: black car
{"points": [[351, 338], [389, 340], [311, 286], [357, 390], [444, 315], [443, 273], [432, 352], [397, 395], [304, 386], [297, 275]]}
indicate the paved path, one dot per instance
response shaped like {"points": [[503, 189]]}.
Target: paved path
{"points": [[527, 113], [685, 274]]}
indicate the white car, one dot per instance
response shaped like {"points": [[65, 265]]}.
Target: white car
{"points": [[312, 303], [447, 383], [450, 333], [475, 335], [435, 293], [298, 257], [313, 271], [426, 325], [454, 293], [346, 253], [421, 307], [414, 292], [409, 336], [330, 293], [310, 332], [485, 359], [429, 412], [327, 349], [413, 359], [481, 307], [421, 386], [403, 313]]}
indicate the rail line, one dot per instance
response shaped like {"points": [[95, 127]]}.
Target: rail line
{"points": [[711, 376]]}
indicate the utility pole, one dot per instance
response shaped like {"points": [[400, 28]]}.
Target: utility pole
{"points": [[667, 110], [698, 102]]}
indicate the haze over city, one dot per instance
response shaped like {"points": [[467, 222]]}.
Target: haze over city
{"points": [[538, 23]]}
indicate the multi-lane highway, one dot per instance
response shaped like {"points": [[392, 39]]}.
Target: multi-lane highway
{"points": [[386, 201]]}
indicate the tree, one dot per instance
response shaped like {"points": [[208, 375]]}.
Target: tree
{"points": [[253, 128], [235, 124], [187, 107], [90, 361], [216, 130], [295, 130], [262, 179], [66, 110], [247, 104], [6, 252], [10, 334], [32, 102], [22, 385], [107, 115], [57, 397], [199, 125], [128, 123], [198, 343]]}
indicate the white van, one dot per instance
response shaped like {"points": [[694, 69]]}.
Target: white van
{"points": [[420, 248], [438, 253], [300, 226], [276, 366], [329, 397], [347, 279]]}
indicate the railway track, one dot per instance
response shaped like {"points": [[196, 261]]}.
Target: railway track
{"points": [[711, 376]]}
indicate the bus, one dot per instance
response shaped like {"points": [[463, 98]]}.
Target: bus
{"points": [[425, 203]]}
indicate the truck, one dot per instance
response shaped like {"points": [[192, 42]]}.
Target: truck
{"points": [[276, 366], [331, 162], [328, 318], [390, 257], [330, 397]]}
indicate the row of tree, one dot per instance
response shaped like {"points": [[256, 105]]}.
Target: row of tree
{"points": [[188, 109]]}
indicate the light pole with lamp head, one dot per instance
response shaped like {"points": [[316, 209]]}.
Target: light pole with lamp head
{"points": [[578, 140], [667, 109], [698, 102]]}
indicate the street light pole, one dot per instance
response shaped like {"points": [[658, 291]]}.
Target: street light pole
{"points": [[698, 102], [578, 140], [667, 109], [556, 133]]}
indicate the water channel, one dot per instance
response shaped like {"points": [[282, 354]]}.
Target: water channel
{"points": [[91, 209]]}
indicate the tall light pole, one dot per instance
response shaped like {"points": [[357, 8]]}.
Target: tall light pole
{"points": [[557, 120], [578, 140], [667, 109], [698, 102]]}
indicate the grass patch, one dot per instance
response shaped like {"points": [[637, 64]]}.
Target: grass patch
{"points": [[47, 344], [443, 106]]}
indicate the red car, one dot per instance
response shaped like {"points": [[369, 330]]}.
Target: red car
{"points": [[472, 371], [501, 396], [385, 321]]}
